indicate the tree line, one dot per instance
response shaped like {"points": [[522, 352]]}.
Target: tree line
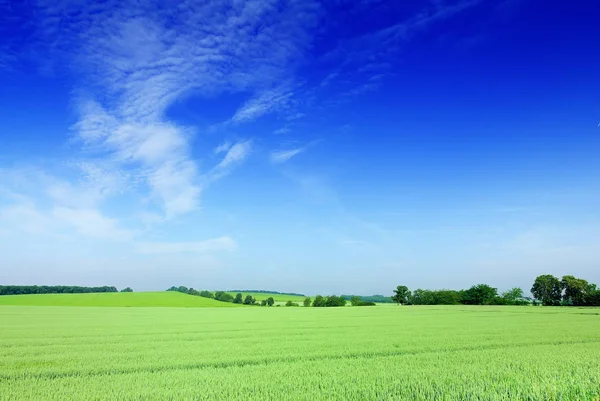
{"points": [[54, 289], [382, 299], [546, 290]]}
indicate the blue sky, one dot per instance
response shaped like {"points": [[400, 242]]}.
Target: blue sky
{"points": [[317, 147]]}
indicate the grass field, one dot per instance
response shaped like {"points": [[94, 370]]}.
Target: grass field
{"points": [[387, 353], [114, 299], [277, 297]]}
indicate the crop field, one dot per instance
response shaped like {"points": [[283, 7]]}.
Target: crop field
{"points": [[260, 353], [114, 299]]}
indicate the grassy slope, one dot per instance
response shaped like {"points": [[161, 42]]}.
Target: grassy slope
{"points": [[174, 299], [277, 297]]}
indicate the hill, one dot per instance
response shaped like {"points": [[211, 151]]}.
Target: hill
{"points": [[149, 299]]}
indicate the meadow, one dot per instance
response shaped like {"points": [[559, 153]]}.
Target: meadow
{"points": [[254, 353]]}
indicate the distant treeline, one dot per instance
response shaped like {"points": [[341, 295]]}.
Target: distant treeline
{"points": [[547, 290], [370, 298], [270, 292], [51, 289]]}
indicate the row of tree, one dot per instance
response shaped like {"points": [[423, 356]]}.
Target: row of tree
{"points": [[370, 298], [568, 291], [53, 289], [546, 290], [480, 294]]}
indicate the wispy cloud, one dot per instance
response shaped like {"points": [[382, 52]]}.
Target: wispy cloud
{"points": [[212, 245], [281, 156]]}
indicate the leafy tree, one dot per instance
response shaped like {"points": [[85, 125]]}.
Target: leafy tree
{"points": [[270, 301], [355, 300], [263, 302], [307, 301], [365, 303], [249, 300], [333, 301], [291, 303], [547, 289], [206, 294], [319, 302], [512, 296], [183, 289], [238, 298], [127, 289], [480, 294], [401, 294], [194, 292], [173, 288], [575, 290], [223, 296]]}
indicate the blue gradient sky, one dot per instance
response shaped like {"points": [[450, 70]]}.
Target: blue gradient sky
{"points": [[333, 147]]}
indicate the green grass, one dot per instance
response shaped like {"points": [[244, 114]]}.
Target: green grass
{"points": [[277, 297], [113, 299], [389, 353]]}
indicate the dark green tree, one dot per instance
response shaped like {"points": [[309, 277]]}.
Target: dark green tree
{"points": [[333, 301], [206, 294], [575, 290], [307, 301], [319, 301], [547, 289], [401, 295], [480, 294], [270, 301], [238, 298], [249, 300], [355, 300], [263, 302], [127, 289]]}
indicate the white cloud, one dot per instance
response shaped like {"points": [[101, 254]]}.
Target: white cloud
{"points": [[91, 223], [207, 246], [235, 154], [282, 156], [224, 147], [265, 102]]}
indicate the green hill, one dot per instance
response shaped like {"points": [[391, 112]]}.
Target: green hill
{"points": [[277, 297], [169, 299]]}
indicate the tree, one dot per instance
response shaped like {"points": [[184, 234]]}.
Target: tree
{"points": [[223, 296], [307, 301], [355, 300], [547, 289], [333, 301], [401, 294], [127, 289], [319, 302], [263, 302], [249, 300], [238, 298], [206, 294], [575, 290], [270, 301], [480, 294], [513, 296], [194, 292]]}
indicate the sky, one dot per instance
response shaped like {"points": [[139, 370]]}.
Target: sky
{"points": [[335, 146]]}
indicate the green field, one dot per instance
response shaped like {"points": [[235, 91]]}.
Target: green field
{"points": [[277, 297], [113, 299], [254, 353]]}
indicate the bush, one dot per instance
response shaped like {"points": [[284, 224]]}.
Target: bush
{"points": [[363, 303], [127, 289], [290, 303]]}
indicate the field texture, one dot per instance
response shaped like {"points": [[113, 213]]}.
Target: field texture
{"points": [[377, 353], [114, 299]]}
